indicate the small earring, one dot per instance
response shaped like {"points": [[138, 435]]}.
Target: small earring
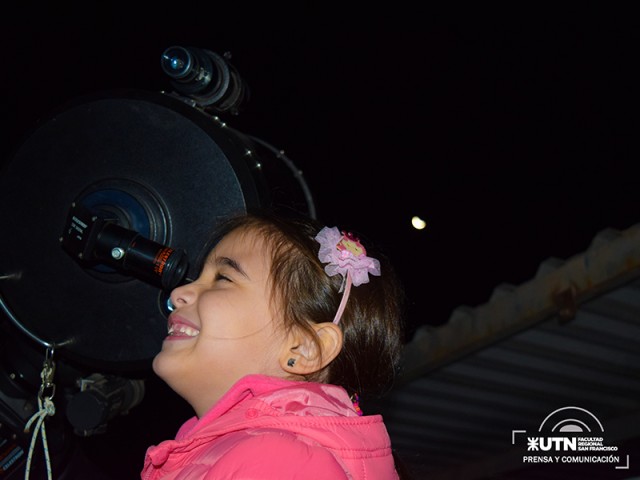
{"points": [[291, 362]]}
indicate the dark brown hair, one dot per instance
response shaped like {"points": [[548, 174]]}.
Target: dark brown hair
{"points": [[303, 292]]}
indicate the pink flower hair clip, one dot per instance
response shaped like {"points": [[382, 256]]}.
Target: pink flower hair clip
{"points": [[344, 254]]}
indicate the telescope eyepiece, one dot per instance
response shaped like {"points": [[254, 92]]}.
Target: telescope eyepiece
{"points": [[177, 62], [205, 77]]}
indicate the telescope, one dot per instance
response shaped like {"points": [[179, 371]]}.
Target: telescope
{"points": [[105, 208]]}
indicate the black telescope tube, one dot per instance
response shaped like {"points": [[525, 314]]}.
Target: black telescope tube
{"points": [[129, 251]]}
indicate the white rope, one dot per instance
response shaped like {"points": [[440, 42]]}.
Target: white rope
{"points": [[47, 408]]}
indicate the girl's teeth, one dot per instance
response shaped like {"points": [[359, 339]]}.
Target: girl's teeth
{"points": [[183, 330]]}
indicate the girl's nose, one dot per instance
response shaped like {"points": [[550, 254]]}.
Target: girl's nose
{"points": [[183, 295]]}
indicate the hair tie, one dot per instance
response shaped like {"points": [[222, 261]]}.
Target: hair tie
{"points": [[344, 254]]}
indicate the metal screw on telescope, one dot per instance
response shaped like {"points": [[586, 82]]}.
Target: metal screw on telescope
{"points": [[117, 253]]}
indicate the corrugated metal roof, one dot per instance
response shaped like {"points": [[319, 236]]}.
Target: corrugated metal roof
{"points": [[570, 337]]}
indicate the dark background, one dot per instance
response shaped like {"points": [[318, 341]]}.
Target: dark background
{"points": [[513, 136]]}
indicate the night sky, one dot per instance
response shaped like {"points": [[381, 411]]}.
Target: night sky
{"points": [[516, 141]]}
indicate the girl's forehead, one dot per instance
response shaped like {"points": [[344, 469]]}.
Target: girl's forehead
{"points": [[246, 236], [243, 242]]}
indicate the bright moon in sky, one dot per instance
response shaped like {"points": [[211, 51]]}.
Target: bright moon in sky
{"points": [[418, 223]]}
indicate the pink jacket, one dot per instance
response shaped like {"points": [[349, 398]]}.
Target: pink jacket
{"points": [[269, 428]]}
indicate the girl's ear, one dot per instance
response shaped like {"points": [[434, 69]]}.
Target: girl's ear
{"points": [[303, 356]]}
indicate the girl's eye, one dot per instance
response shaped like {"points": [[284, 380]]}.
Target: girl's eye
{"points": [[220, 276]]}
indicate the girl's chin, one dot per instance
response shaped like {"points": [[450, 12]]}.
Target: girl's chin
{"points": [[159, 362]]}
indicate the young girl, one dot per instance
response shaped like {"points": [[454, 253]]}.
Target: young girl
{"points": [[287, 323]]}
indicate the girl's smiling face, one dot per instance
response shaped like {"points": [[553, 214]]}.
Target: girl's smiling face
{"points": [[223, 326]]}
